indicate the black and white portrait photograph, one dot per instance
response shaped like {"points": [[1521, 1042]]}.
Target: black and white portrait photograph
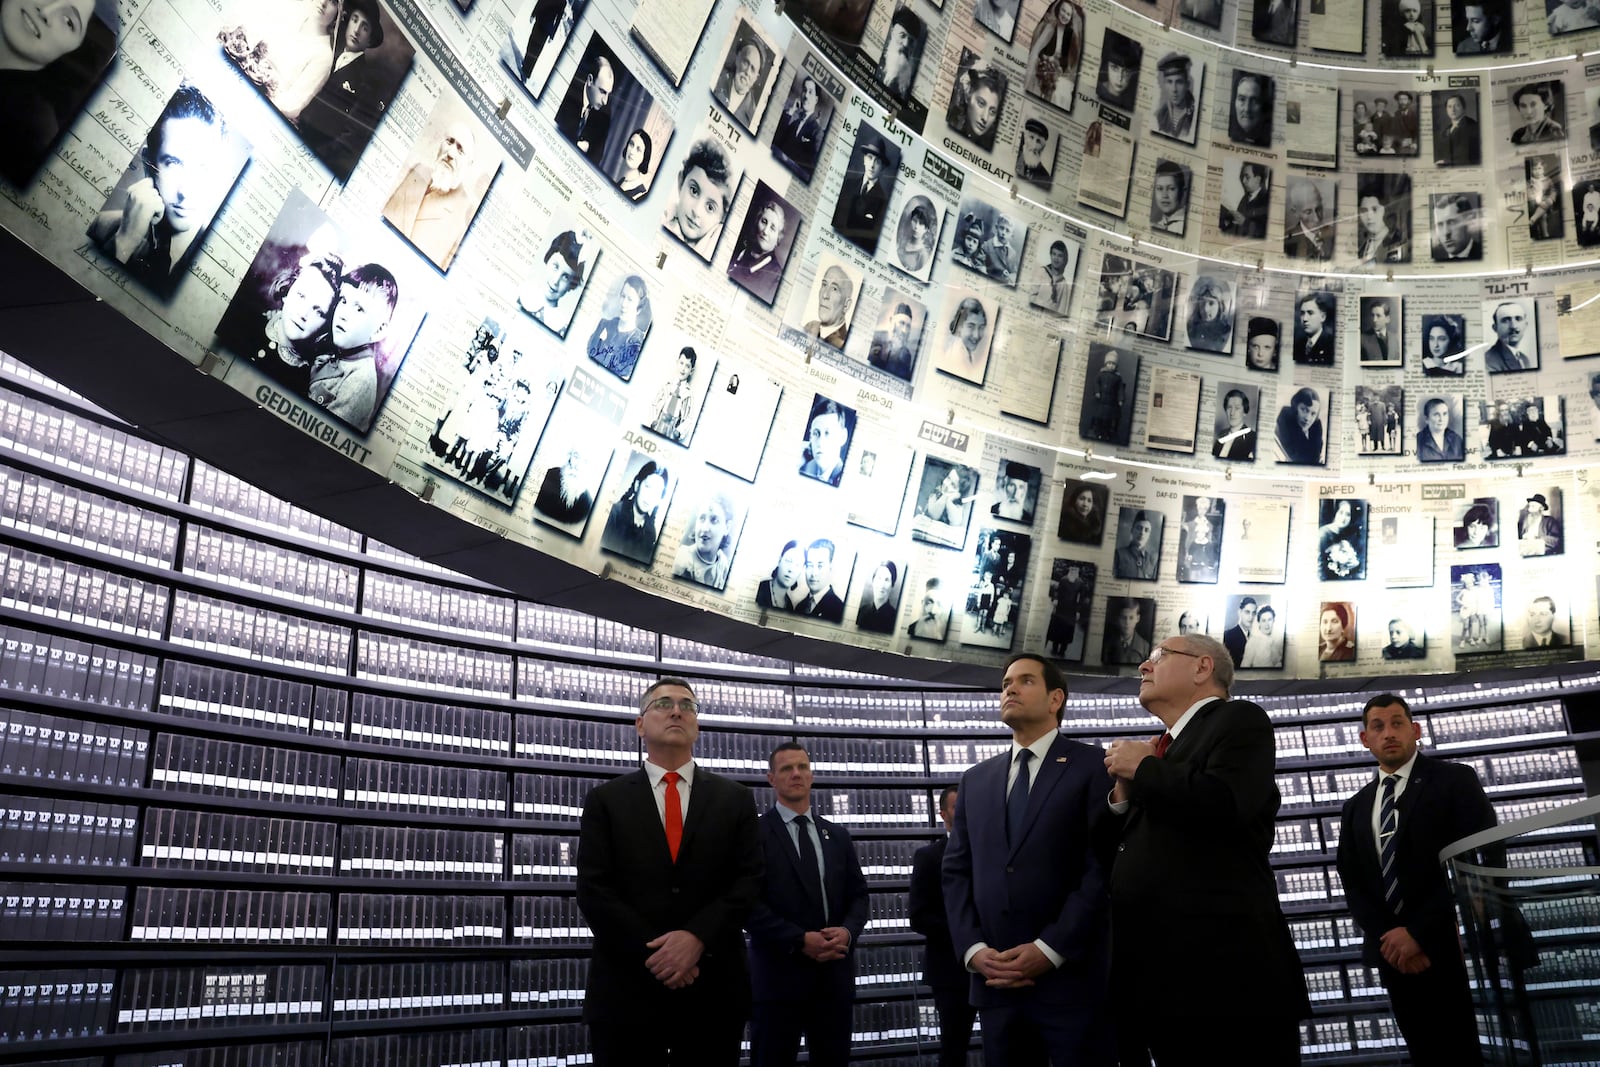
{"points": [[55, 55], [826, 444], [876, 479], [1545, 624], [1055, 51], [1136, 298], [1138, 542], [863, 203], [1200, 539], [485, 433], [1262, 647], [1405, 28], [1083, 512], [1542, 182], [534, 39], [1300, 434], [1444, 346], [1385, 122], [931, 608], [1441, 428], [1238, 623], [1518, 427], [996, 588], [552, 292], [1586, 212], [1261, 344], [1048, 281], [570, 464], [965, 331], [713, 513], [1246, 199], [1233, 426], [802, 126], [1539, 113], [1475, 595], [841, 22], [1316, 322], [916, 234], [740, 406], [976, 99], [1110, 373], [1383, 218], [766, 238], [1016, 491], [634, 523], [1478, 524], [1071, 592], [1311, 211], [1457, 226], [613, 121], [878, 603], [1341, 539], [332, 71], [1480, 27], [705, 183], [827, 310], [810, 578], [1205, 12], [1514, 325], [442, 181], [999, 17], [1274, 21], [625, 321], [1169, 197], [749, 67], [945, 497], [1120, 58], [1382, 330], [1180, 80], [327, 314], [1570, 16], [157, 216], [1539, 531], [1036, 155], [1456, 141], [680, 398], [897, 338], [1379, 412], [1336, 631], [1208, 325], [902, 52], [1407, 638], [999, 235], [1129, 630], [1249, 103]]}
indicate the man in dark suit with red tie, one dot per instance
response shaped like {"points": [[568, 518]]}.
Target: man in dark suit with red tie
{"points": [[1024, 889], [941, 969], [804, 928], [669, 866], [1196, 929], [1390, 836]]}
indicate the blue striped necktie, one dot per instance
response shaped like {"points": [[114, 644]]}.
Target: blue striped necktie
{"points": [[1388, 822]]}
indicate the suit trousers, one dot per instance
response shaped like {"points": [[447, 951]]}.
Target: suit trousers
{"points": [[1204, 1041], [1027, 1033], [955, 1024], [1435, 1014], [776, 1026], [686, 1042]]}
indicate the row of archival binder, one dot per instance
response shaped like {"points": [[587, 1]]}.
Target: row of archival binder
{"points": [[50, 665], [40, 429]]}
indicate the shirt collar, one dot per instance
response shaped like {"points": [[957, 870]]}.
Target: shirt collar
{"points": [[1039, 748], [658, 772], [1183, 720], [1404, 772], [789, 815]]}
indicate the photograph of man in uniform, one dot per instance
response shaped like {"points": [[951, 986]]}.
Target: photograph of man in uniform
{"points": [[1178, 77]]}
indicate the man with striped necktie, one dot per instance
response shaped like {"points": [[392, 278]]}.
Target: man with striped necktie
{"points": [[1389, 841]]}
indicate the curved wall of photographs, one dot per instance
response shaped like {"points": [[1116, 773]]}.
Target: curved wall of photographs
{"points": [[939, 329]]}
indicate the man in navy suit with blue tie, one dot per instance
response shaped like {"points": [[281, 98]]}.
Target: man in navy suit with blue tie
{"points": [[1025, 892], [804, 928]]}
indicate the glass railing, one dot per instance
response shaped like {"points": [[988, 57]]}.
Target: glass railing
{"points": [[1528, 893]]}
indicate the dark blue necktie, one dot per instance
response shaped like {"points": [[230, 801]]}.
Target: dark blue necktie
{"points": [[1388, 822], [1017, 802], [809, 873]]}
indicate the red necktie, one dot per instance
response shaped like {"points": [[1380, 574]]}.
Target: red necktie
{"points": [[674, 814], [1163, 743]]}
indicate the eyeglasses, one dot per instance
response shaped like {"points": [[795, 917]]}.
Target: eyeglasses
{"points": [[687, 705], [1162, 650]]}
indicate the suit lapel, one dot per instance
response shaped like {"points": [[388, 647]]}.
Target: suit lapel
{"points": [[1407, 804], [1186, 741], [1044, 783], [640, 796], [780, 833], [699, 805]]}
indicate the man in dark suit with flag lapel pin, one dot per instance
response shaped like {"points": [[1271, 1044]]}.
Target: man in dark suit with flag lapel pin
{"points": [[1025, 893], [669, 866]]}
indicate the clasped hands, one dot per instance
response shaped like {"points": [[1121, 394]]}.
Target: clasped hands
{"points": [[1015, 968], [1402, 952], [676, 960], [826, 945]]}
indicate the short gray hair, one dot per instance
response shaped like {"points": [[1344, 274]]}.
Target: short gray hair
{"points": [[1221, 661]]}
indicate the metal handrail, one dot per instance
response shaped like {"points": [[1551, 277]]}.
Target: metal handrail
{"points": [[1542, 821]]}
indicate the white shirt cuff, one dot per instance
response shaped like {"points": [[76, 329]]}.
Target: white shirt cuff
{"points": [[966, 960], [1056, 959]]}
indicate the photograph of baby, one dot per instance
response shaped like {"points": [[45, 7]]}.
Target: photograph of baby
{"points": [[443, 181], [327, 314], [156, 218]]}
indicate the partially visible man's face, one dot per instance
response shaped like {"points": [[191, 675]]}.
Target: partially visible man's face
{"points": [[1128, 620], [183, 176], [1378, 315], [1306, 414], [791, 776], [451, 159], [1509, 322], [1453, 227], [357, 32], [1175, 87], [1025, 698], [1454, 107], [1263, 350], [1541, 618], [1247, 104], [1164, 190], [1141, 533], [900, 329], [599, 88], [833, 296], [746, 68], [819, 569], [1479, 28], [1058, 259]]}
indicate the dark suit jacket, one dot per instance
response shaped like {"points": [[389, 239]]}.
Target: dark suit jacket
{"points": [[1442, 802], [859, 216], [1049, 886], [342, 117], [631, 892], [785, 912], [574, 127], [1194, 905], [1458, 147], [941, 967], [1529, 641]]}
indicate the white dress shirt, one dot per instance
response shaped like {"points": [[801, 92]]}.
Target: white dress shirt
{"points": [[1377, 802], [658, 787]]}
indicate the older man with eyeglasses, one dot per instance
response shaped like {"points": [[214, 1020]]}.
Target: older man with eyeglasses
{"points": [[1196, 929], [669, 867]]}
